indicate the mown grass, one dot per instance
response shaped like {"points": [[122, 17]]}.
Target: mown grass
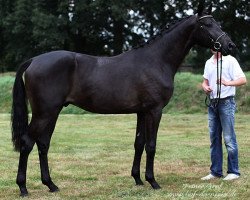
{"points": [[91, 158]]}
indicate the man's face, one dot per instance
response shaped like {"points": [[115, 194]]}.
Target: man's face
{"points": [[215, 53]]}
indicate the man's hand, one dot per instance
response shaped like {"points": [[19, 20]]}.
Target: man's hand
{"points": [[207, 89], [223, 82], [205, 86]]}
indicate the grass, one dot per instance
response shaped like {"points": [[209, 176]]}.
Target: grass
{"points": [[91, 158], [6, 83]]}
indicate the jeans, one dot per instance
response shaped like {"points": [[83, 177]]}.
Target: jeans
{"points": [[221, 119]]}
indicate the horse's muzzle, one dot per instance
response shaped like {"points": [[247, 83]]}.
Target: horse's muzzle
{"points": [[228, 49], [231, 46]]}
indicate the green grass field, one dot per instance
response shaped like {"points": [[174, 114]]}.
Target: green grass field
{"points": [[91, 158]]}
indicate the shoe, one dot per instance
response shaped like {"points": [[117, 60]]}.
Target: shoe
{"points": [[230, 177], [209, 177]]}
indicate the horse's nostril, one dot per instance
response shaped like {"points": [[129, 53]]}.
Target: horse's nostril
{"points": [[231, 46]]}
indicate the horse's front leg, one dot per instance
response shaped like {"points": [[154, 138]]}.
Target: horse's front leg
{"points": [[152, 120], [139, 147]]}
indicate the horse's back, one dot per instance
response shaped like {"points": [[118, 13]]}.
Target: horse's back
{"points": [[48, 62]]}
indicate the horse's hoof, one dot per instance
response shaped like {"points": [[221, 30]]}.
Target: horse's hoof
{"points": [[24, 194], [54, 189], [139, 183], [155, 186]]}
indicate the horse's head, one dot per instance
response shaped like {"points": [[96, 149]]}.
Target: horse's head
{"points": [[208, 33]]}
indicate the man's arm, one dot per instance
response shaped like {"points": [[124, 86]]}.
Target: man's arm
{"points": [[238, 82]]}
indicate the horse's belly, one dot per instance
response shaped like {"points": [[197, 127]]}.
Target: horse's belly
{"points": [[114, 104], [109, 105]]}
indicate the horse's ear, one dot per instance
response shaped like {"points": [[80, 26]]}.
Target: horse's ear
{"points": [[200, 7], [210, 9]]}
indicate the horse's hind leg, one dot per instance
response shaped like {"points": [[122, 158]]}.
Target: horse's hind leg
{"points": [[44, 125], [139, 147], [43, 147], [27, 144]]}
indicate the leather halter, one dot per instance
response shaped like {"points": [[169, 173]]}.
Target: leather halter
{"points": [[217, 44]]}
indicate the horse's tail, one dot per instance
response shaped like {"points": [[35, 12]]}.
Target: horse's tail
{"points": [[19, 112]]}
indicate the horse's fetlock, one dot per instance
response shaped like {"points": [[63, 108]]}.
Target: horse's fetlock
{"points": [[149, 178], [46, 181], [135, 173], [21, 180]]}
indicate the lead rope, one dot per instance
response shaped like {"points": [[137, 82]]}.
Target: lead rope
{"points": [[219, 76]]}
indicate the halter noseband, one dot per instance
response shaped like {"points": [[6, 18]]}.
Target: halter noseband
{"points": [[217, 44]]}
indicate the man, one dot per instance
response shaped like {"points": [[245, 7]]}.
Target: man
{"points": [[221, 113]]}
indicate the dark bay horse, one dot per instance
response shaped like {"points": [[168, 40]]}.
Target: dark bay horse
{"points": [[138, 81]]}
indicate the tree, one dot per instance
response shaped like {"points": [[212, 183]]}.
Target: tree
{"points": [[106, 27], [17, 30], [6, 7], [48, 27], [235, 19], [100, 27]]}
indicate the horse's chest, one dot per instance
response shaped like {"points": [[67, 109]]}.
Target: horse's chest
{"points": [[167, 93], [159, 93]]}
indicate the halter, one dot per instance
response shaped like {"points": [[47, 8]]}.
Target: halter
{"points": [[217, 47], [205, 16], [217, 44]]}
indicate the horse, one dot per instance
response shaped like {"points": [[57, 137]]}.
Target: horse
{"points": [[139, 81]]}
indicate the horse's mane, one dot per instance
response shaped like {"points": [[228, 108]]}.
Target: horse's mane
{"points": [[164, 30]]}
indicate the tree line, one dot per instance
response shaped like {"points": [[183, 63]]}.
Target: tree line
{"points": [[106, 27]]}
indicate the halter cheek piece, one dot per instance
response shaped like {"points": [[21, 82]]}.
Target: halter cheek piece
{"points": [[217, 44]]}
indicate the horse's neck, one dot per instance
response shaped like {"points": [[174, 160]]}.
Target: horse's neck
{"points": [[175, 45]]}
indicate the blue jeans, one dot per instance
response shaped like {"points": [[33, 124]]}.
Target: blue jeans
{"points": [[221, 119]]}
